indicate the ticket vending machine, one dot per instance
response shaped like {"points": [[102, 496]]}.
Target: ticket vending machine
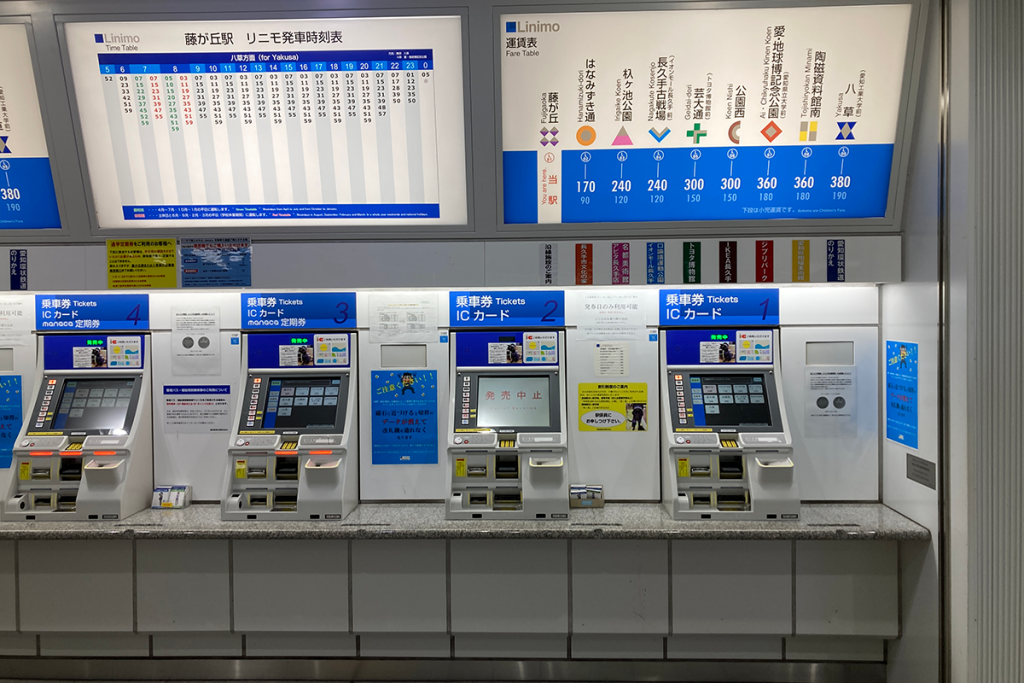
{"points": [[294, 454], [86, 450], [727, 447], [508, 444]]}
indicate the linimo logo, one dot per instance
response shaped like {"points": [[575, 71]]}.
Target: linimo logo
{"points": [[531, 27], [116, 38]]}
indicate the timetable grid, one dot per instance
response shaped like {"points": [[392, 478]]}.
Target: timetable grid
{"points": [[272, 135]]}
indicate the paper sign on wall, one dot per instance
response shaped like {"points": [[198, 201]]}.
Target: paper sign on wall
{"points": [[216, 262], [606, 407], [197, 409], [611, 359], [404, 317], [15, 321], [830, 400], [142, 264], [195, 341], [404, 417], [611, 315]]}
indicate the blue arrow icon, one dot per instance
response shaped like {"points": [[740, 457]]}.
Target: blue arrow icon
{"points": [[659, 135]]}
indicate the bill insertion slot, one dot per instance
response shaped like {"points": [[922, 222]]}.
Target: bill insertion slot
{"points": [[286, 468], [476, 471], [506, 466], [255, 472], [41, 471], [71, 469]]}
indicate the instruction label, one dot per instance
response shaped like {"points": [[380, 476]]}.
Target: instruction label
{"points": [[830, 400], [605, 407], [142, 264], [197, 409]]}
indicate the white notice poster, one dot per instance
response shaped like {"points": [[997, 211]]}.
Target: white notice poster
{"points": [[405, 317], [604, 315], [17, 317], [195, 341], [830, 400]]}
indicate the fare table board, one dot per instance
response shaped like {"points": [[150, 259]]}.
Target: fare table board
{"points": [[723, 114]]}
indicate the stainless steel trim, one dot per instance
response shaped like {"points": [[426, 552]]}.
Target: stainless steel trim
{"points": [[215, 669]]}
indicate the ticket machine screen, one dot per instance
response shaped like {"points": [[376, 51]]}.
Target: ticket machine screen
{"points": [[298, 403], [101, 406], [732, 400], [510, 401]]}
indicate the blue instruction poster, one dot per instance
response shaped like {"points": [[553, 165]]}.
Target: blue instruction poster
{"points": [[901, 392], [216, 262], [10, 416], [404, 417]]}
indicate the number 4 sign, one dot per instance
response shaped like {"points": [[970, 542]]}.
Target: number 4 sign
{"points": [[717, 307], [507, 309]]}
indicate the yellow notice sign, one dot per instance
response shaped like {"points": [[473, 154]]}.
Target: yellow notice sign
{"points": [[142, 264], [609, 407], [460, 467]]}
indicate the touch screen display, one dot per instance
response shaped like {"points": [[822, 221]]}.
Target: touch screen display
{"points": [[732, 400], [303, 403], [94, 404], [513, 401]]}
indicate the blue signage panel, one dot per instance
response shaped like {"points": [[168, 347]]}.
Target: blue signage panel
{"points": [[728, 307], [507, 309], [84, 312], [707, 183], [216, 263], [28, 200], [404, 417], [10, 416], [298, 310], [901, 392]]}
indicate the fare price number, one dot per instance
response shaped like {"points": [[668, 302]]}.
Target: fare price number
{"points": [[12, 197]]}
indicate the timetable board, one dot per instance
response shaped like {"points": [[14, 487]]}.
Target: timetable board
{"points": [[704, 115], [27, 196], [330, 122]]}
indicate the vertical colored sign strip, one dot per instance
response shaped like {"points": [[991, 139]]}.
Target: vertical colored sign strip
{"points": [[548, 263], [19, 269], [764, 261], [655, 263], [835, 257], [620, 263], [691, 263], [801, 260], [584, 263], [727, 262]]}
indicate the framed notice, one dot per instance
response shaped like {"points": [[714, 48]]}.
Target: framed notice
{"points": [[741, 114], [284, 122]]}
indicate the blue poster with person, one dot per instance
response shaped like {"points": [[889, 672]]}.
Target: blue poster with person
{"points": [[404, 417], [901, 392]]}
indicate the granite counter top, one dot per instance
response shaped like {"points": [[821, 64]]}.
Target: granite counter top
{"points": [[426, 521]]}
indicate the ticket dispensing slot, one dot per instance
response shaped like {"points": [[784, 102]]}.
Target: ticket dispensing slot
{"points": [[507, 445], [727, 446], [85, 451], [292, 454]]}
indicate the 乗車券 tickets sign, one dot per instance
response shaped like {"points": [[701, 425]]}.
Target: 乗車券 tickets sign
{"points": [[723, 114]]}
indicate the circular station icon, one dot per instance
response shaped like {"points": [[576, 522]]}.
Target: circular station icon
{"points": [[586, 135], [695, 154], [621, 156], [585, 157], [659, 155], [732, 153], [769, 153], [549, 157]]}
